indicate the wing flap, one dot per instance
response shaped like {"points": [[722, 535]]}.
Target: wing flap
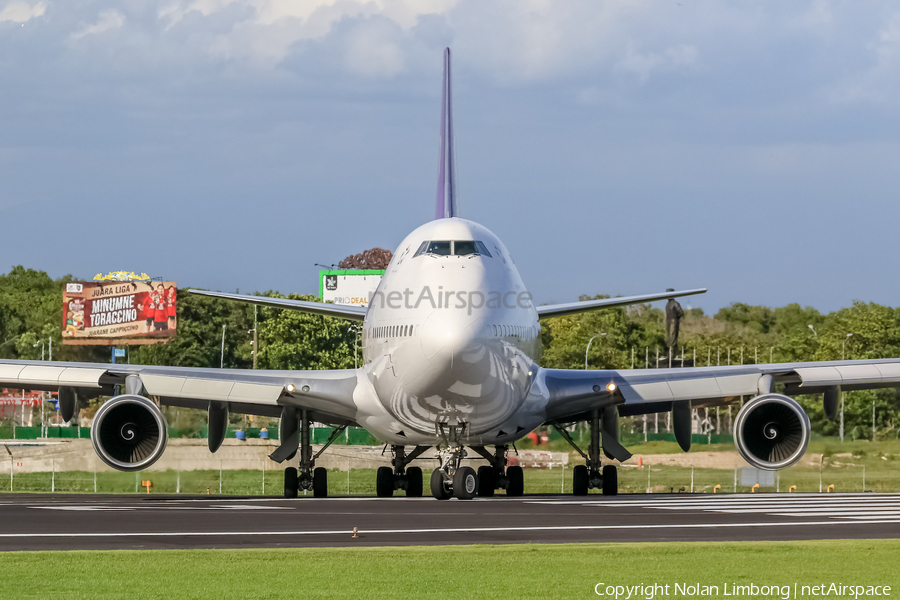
{"points": [[207, 389], [255, 393]]}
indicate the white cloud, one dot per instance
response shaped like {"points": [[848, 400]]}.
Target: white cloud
{"points": [[20, 12], [107, 19]]}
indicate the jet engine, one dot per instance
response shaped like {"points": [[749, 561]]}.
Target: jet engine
{"points": [[129, 433], [771, 432]]}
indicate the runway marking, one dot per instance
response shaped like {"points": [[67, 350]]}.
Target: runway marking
{"points": [[834, 507], [157, 507], [436, 530]]}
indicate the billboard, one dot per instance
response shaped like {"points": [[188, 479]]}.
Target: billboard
{"points": [[352, 287], [113, 309]]}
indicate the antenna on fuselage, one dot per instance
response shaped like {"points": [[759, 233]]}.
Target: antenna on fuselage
{"points": [[446, 192]]}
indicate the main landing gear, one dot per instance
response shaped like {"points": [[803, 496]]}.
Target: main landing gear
{"points": [[296, 436], [400, 477], [496, 475], [591, 475]]}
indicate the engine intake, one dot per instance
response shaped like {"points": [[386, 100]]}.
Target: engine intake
{"points": [[129, 433], [771, 432]]}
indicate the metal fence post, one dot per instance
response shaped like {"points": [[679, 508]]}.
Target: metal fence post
{"points": [[220, 477], [177, 482], [52, 475]]}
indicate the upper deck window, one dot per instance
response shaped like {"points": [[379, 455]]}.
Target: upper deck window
{"points": [[454, 248]]}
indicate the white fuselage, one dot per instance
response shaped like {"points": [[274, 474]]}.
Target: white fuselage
{"points": [[451, 337]]}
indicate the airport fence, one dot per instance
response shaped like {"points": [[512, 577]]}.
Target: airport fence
{"points": [[352, 436], [832, 475]]}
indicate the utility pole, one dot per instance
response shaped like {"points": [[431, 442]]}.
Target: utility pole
{"points": [[255, 337], [843, 347], [873, 420]]}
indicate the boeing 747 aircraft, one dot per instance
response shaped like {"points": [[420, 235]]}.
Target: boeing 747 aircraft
{"points": [[451, 347]]}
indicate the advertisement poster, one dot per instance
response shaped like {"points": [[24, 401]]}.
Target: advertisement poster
{"points": [[114, 309], [350, 287]]}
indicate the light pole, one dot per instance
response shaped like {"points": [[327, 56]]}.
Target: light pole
{"points": [[50, 344], [222, 361], [813, 330], [41, 342], [588, 349], [255, 337], [843, 344]]}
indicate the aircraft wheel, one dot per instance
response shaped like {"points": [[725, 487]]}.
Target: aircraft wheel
{"points": [[438, 489], [465, 483], [414, 482], [384, 482], [516, 485], [320, 482], [486, 481], [291, 483], [610, 480], [580, 480]]}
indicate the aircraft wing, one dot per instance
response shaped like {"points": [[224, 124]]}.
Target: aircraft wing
{"points": [[328, 395], [570, 395], [353, 313], [560, 310]]}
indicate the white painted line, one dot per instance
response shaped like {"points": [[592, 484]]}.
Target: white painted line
{"points": [[786, 505], [860, 514], [781, 524], [728, 500], [111, 508], [797, 509]]}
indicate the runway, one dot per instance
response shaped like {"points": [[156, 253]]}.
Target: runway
{"points": [[71, 522]]}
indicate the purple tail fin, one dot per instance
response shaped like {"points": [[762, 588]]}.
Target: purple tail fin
{"points": [[446, 192]]}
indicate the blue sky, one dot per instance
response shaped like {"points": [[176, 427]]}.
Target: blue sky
{"points": [[616, 147]]}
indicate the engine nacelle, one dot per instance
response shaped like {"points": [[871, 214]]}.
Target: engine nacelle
{"points": [[771, 432], [129, 433]]}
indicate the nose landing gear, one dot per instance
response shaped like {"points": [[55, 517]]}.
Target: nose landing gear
{"points": [[451, 479]]}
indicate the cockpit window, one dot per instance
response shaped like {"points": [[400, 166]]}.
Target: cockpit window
{"points": [[456, 248], [438, 248], [464, 248]]}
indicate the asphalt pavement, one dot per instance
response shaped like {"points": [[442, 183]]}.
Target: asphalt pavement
{"points": [[69, 522]]}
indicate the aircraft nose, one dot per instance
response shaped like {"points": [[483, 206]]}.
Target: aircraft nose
{"points": [[453, 340]]}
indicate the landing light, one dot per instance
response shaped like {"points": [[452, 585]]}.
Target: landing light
{"points": [[290, 387], [610, 387]]}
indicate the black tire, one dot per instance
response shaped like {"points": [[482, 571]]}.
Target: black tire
{"points": [[291, 483], [610, 480], [438, 489], [465, 483], [580, 480], [384, 482], [320, 482], [516, 485], [414, 482], [486, 481]]}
